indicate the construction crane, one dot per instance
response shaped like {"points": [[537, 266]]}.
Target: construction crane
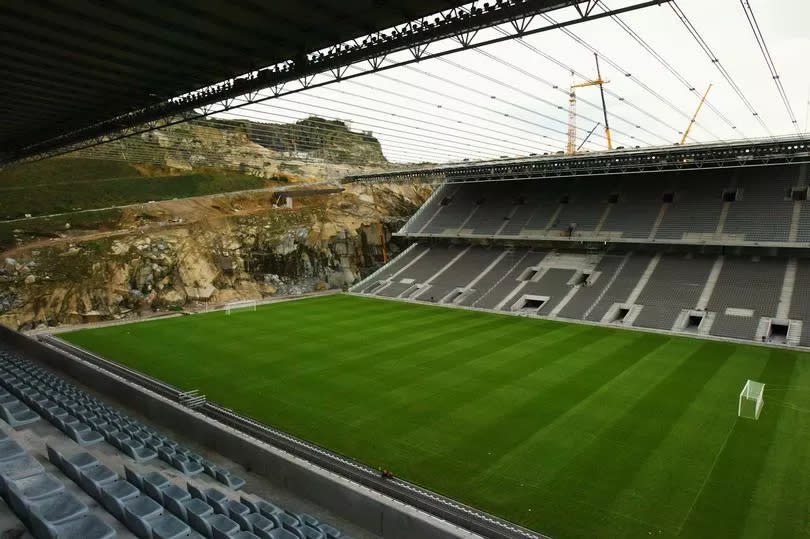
{"points": [[572, 109], [694, 117]]}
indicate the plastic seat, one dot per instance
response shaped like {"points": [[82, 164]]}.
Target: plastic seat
{"points": [[94, 478], [169, 527], [9, 449], [118, 439], [134, 477], [312, 533], [244, 535], [281, 533], [185, 465], [197, 512], [137, 451], [19, 468], [195, 491], [75, 464], [85, 527], [56, 509], [83, 435], [153, 484], [174, 499], [237, 512], [271, 511], [138, 512], [17, 414], [222, 527], [227, 478], [309, 520], [330, 531], [23, 492], [217, 499], [115, 495], [261, 525]]}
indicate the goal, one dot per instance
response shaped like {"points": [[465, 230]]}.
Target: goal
{"points": [[247, 305], [751, 400]]}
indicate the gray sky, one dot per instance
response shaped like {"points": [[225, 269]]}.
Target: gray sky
{"points": [[439, 111]]}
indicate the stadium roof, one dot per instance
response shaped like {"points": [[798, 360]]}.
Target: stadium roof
{"points": [[67, 65]]}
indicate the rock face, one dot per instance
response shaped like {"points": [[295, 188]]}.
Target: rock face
{"points": [[326, 241]]}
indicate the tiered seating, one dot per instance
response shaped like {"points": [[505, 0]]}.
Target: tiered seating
{"points": [[142, 498], [764, 209], [639, 204], [800, 302], [587, 295], [746, 284], [88, 421], [533, 209], [696, 207], [587, 204], [622, 285], [675, 284], [40, 499]]}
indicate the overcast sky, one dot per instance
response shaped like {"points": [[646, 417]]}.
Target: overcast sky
{"points": [[472, 105]]}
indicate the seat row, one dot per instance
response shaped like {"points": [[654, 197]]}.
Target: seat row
{"points": [[88, 420], [151, 506], [40, 499]]}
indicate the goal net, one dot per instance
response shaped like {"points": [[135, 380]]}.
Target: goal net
{"points": [[751, 400], [247, 305]]}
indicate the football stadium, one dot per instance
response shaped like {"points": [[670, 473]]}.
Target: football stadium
{"points": [[328, 270]]}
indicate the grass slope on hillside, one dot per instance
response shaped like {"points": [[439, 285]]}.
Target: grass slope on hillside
{"points": [[68, 185], [574, 430]]}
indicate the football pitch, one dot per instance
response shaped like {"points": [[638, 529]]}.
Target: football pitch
{"points": [[569, 429]]}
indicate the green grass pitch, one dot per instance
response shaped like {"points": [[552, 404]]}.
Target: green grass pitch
{"points": [[573, 430]]}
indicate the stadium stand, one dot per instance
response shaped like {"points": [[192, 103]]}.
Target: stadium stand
{"points": [[747, 207], [706, 252], [78, 467]]}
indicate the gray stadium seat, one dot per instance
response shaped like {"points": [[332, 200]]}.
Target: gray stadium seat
{"points": [[186, 465], [174, 499], [217, 499], [227, 478], [23, 492], [18, 468], [153, 484], [238, 513], [169, 526], [83, 435], [84, 527], [75, 464], [54, 510], [220, 526], [9, 449], [94, 478], [197, 512], [280, 533], [261, 525], [116, 494], [138, 451], [17, 414], [138, 514]]}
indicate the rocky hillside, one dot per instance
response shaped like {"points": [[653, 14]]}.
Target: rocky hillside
{"points": [[236, 249], [312, 148], [193, 215]]}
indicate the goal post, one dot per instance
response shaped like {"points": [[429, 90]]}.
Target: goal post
{"points": [[247, 305], [751, 400]]}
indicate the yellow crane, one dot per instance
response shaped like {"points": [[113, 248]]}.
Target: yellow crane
{"points": [[692, 121], [572, 109]]}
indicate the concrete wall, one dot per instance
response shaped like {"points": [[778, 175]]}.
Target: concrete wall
{"points": [[364, 507]]}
